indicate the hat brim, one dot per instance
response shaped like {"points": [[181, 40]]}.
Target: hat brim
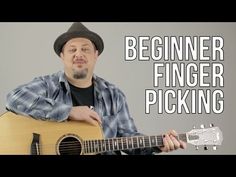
{"points": [[93, 37]]}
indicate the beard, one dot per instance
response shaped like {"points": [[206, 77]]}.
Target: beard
{"points": [[80, 74]]}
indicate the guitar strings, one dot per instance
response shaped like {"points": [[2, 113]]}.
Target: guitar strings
{"points": [[101, 145], [91, 145], [97, 145]]}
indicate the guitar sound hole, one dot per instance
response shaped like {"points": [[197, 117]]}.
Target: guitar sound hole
{"points": [[69, 146]]}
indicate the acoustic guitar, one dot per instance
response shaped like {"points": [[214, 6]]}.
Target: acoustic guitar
{"points": [[22, 135]]}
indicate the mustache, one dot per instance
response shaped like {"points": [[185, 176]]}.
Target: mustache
{"points": [[79, 59]]}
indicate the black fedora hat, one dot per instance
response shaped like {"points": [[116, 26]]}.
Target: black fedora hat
{"points": [[77, 29]]}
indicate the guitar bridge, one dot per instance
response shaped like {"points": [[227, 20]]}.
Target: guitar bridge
{"points": [[35, 150]]}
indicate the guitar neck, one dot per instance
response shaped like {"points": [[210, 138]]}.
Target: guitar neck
{"points": [[125, 143]]}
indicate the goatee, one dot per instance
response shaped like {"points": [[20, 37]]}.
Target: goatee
{"points": [[80, 74]]}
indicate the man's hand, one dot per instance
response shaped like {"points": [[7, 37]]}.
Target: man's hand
{"points": [[84, 113], [171, 143]]}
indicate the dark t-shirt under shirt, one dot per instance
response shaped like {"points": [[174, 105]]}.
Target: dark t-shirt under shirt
{"points": [[82, 96]]}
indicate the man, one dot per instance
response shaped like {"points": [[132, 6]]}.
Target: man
{"points": [[71, 94]]}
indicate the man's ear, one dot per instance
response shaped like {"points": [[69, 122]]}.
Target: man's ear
{"points": [[96, 54], [62, 55]]}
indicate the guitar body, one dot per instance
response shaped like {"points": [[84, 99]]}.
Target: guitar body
{"points": [[17, 133], [22, 135]]}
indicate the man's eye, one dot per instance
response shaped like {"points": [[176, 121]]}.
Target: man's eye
{"points": [[85, 49], [72, 50]]}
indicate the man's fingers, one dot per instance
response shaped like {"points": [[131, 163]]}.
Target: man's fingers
{"points": [[175, 142], [183, 145], [95, 116], [92, 121], [166, 145], [173, 132], [170, 143]]}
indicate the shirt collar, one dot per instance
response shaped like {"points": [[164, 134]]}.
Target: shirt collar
{"points": [[99, 83], [63, 81]]}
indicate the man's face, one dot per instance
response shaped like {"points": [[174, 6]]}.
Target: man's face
{"points": [[79, 56]]}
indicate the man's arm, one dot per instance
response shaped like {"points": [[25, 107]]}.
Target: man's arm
{"points": [[32, 99]]}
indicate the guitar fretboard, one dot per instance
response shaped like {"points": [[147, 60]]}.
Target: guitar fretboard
{"points": [[125, 143]]}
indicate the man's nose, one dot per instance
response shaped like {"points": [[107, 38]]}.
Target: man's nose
{"points": [[78, 54]]}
